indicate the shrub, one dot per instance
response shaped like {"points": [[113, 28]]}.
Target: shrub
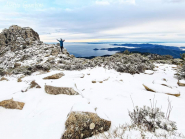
{"points": [[127, 52], [181, 72], [151, 119], [183, 56]]}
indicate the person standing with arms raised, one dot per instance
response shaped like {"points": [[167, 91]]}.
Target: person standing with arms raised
{"points": [[61, 43]]}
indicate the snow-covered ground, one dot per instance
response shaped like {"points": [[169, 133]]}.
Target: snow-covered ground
{"points": [[44, 115]]}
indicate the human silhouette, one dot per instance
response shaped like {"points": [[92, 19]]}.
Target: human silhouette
{"points": [[61, 43]]}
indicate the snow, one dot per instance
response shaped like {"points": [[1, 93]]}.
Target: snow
{"points": [[129, 47], [162, 89], [149, 72], [182, 81], [44, 115]]}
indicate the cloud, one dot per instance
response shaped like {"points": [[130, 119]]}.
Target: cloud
{"points": [[128, 1], [174, 1], [108, 2], [102, 3], [120, 20], [68, 10]]}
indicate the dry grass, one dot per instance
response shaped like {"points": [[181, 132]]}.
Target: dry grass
{"points": [[125, 132], [20, 78]]}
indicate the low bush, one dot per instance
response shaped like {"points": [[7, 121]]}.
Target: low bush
{"points": [[183, 56], [151, 119], [181, 72]]}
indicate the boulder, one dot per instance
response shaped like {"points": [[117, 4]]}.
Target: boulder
{"points": [[181, 83], [60, 90], [148, 89], [33, 84], [23, 44], [55, 76], [3, 79], [55, 51], [16, 35], [17, 65], [81, 125], [2, 72], [11, 104], [161, 89], [177, 61]]}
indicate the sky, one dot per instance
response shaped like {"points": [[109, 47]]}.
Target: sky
{"points": [[98, 20]]}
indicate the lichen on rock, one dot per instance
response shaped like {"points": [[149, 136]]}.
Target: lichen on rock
{"points": [[33, 84], [60, 90], [81, 125], [11, 104], [55, 76]]}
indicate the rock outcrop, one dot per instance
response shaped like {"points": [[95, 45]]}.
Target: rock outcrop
{"points": [[4, 79], [159, 57], [60, 90], [180, 83], [81, 125], [22, 52], [17, 36], [11, 104], [55, 76], [156, 88], [33, 84]]}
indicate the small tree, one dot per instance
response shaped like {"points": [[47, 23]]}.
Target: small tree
{"points": [[181, 72], [126, 52], [183, 56]]}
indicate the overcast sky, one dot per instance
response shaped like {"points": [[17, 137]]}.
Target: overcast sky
{"points": [[98, 20]]}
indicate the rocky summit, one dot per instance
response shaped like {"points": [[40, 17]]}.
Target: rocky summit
{"points": [[78, 98], [16, 36], [22, 52]]}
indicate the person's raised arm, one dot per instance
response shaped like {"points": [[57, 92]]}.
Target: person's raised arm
{"points": [[63, 40], [58, 40]]}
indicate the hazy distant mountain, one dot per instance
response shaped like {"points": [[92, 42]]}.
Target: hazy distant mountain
{"points": [[148, 48]]}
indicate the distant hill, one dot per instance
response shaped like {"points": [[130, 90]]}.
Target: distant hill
{"points": [[149, 48]]}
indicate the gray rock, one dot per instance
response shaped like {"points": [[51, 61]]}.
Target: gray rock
{"points": [[55, 76], [11, 104], [17, 35], [177, 61], [60, 90], [81, 125]]}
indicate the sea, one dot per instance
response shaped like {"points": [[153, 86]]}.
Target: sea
{"points": [[85, 49]]}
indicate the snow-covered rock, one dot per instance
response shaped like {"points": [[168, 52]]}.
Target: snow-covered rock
{"points": [[60, 90], [161, 89], [11, 104], [181, 82]]}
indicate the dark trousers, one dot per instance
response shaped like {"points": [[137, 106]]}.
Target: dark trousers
{"points": [[61, 48]]}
